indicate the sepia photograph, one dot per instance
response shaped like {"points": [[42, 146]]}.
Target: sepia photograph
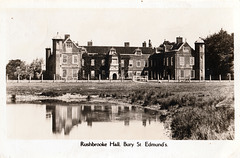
{"points": [[118, 75]]}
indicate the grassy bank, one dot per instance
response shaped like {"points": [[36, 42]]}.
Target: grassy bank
{"points": [[194, 110]]}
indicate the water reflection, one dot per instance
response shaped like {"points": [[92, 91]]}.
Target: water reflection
{"points": [[82, 121], [65, 117]]}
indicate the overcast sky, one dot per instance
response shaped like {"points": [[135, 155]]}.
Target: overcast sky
{"points": [[29, 31]]}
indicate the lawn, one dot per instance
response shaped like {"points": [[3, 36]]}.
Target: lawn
{"points": [[201, 110]]}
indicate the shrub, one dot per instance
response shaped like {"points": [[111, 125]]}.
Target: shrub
{"points": [[51, 94], [201, 123]]}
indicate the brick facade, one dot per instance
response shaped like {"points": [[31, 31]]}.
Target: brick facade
{"points": [[176, 61]]}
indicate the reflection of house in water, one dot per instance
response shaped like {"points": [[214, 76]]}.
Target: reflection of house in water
{"points": [[65, 117]]}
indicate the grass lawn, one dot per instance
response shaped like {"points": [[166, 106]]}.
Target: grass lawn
{"points": [[194, 110], [119, 87]]}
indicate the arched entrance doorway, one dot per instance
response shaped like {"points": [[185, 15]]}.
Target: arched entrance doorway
{"points": [[114, 76]]}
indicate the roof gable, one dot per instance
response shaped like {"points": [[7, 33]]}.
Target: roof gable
{"points": [[119, 50], [69, 40]]}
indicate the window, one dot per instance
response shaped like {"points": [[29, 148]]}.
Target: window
{"points": [[114, 61], [65, 58], [64, 73], [92, 73], [182, 73], [112, 51], [83, 73], [171, 61], [138, 63], [69, 45], [92, 62], [181, 62], [57, 45], [82, 62], [103, 72], [138, 73], [185, 49], [83, 50], [122, 63], [201, 48], [191, 60], [167, 61], [75, 73], [192, 74], [145, 73], [74, 59], [103, 62], [130, 73], [138, 52], [130, 63]]}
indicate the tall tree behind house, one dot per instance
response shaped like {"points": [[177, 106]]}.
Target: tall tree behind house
{"points": [[220, 55]]}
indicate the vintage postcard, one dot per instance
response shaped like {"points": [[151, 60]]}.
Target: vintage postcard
{"points": [[119, 78]]}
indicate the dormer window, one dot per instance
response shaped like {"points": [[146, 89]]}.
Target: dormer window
{"points": [[69, 45], [112, 51], [83, 50], [138, 52]]}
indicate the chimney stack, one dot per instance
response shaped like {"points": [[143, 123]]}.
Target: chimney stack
{"points": [[66, 36], [179, 40], [48, 52], [144, 44], [126, 44], [149, 43], [90, 43]]}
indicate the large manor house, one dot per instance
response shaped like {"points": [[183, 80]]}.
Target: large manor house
{"points": [[68, 60]]}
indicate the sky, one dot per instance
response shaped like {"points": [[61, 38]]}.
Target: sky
{"points": [[28, 32]]}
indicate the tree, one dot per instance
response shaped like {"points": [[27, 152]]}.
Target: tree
{"points": [[16, 68], [19, 68], [219, 55], [35, 68]]}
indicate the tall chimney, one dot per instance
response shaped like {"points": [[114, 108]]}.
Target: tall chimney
{"points": [[66, 36], [149, 43], [126, 44], [48, 54], [90, 43], [179, 40], [144, 44]]}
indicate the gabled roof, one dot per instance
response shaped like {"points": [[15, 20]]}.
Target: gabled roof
{"points": [[176, 46], [170, 46], [200, 40], [120, 50], [57, 36], [68, 39]]}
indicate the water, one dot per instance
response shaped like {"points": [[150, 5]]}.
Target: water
{"points": [[82, 121]]}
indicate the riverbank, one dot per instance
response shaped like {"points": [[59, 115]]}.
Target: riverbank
{"points": [[190, 110]]}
